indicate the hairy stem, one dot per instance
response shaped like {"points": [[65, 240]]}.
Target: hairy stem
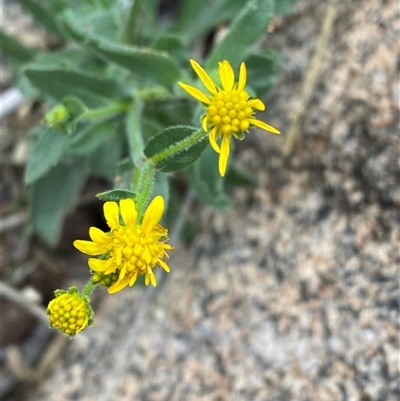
{"points": [[189, 141]]}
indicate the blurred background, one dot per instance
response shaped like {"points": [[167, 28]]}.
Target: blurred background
{"points": [[292, 293]]}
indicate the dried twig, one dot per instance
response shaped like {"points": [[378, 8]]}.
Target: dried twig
{"points": [[19, 299], [12, 221]]}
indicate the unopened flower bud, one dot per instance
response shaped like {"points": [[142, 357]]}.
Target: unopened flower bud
{"points": [[70, 312], [57, 117]]}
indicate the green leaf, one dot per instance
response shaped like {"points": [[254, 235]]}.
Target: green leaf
{"points": [[60, 5], [150, 128], [75, 107], [170, 113], [172, 45], [124, 174], [238, 178], [104, 159], [208, 185], [60, 83], [134, 133], [13, 48], [140, 24], [69, 59], [116, 195], [144, 63], [46, 154], [170, 138], [161, 187], [262, 71], [107, 24], [43, 15], [53, 196], [284, 6], [91, 136], [249, 26], [199, 17]]}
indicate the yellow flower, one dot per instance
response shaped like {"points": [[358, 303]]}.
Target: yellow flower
{"points": [[70, 312], [230, 111], [132, 248]]}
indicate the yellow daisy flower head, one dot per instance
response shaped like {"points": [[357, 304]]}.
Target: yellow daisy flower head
{"points": [[229, 110], [131, 248], [70, 312]]}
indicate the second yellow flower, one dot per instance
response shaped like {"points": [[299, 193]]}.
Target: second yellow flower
{"points": [[132, 248]]}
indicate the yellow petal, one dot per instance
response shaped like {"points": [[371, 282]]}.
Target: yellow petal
{"points": [[204, 121], [196, 93], [146, 255], [212, 140], [150, 278], [242, 77], [111, 266], [89, 247], [168, 247], [118, 286], [153, 214], [118, 256], [263, 125], [256, 104], [98, 265], [205, 78], [128, 211], [111, 213], [226, 74], [164, 265], [132, 280], [99, 237], [122, 272], [51, 303], [224, 155], [84, 324]]}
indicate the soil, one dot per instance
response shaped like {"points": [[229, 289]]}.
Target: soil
{"points": [[293, 292]]}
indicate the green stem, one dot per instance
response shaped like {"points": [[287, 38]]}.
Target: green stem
{"points": [[132, 25], [155, 94], [136, 178], [186, 143], [143, 182], [104, 111], [88, 288], [134, 132]]}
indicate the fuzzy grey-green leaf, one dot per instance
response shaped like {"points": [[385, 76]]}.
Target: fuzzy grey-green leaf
{"points": [[45, 154], [44, 15], [13, 48], [249, 26], [204, 178], [53, 196], [144, 63], [90, 137], [262, 71], [116, 195], [168, 139], [60, 83]]}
